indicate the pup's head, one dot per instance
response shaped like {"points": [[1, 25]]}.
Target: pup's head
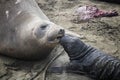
{"points": [[72, 45]]}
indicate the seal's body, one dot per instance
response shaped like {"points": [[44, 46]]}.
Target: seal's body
{"points": [[25, 32], [89, 61]]}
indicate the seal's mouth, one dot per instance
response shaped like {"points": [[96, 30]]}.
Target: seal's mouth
{"points": [[56, 38], [59, 37]]}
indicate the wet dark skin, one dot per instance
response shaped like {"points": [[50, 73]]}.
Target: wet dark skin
{"points": [[89, 61]]}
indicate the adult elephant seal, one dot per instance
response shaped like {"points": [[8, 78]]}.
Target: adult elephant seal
{"points": [[25, 32], [89, 61]]}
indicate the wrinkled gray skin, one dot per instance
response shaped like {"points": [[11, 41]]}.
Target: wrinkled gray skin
{"points": [[89, 61], [25, 32]]}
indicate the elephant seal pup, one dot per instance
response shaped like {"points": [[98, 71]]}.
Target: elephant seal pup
{"points": [[25, 32], [89, 61]]}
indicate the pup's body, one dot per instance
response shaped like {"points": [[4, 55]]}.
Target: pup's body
{"points": [[89, 61]]}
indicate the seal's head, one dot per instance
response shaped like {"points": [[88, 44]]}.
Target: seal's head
{"points": [[38, 38], [72, 45], [69, 43], [48, 33]]}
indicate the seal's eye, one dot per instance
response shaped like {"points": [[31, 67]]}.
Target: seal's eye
{"points": [[44, 26]]}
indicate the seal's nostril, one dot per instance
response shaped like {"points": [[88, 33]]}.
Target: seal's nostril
{"points": [[61, 31]]}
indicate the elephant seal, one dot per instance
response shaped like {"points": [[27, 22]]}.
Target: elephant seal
{"points": [[25, 32], [89, 61]]}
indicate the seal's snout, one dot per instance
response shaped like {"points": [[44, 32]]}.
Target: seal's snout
{"points": [[60, 33], [55, 35]]}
